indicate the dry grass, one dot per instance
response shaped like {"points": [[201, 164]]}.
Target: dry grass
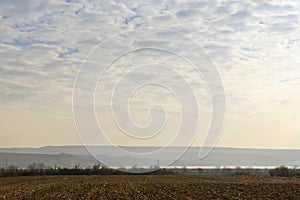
{"points": [[149, 187]]}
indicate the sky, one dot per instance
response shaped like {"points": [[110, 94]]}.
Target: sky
{"points": [[53, 53]]}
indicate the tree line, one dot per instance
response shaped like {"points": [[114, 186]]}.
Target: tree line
{"points": [[283, 171], [39, 169]]}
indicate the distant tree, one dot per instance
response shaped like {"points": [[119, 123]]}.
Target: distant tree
{"points": [[241, 171], [96, 167], [36, 168], [77, 166], [12, 167], [280, 171], [12, 170]]}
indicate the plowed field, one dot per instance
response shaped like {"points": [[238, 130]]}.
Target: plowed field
{"points": [[149, 187]]}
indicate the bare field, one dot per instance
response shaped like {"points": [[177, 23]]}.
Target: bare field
{"points": [[149, 187]]}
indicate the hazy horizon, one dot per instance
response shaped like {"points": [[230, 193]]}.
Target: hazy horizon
{"points": [[196, 147]]}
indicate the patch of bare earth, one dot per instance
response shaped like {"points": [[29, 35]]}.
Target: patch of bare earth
{"points": [[149, 187]]}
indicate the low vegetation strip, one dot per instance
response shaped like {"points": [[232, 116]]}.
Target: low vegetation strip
{"points": [[149, 187], [40, 169]]}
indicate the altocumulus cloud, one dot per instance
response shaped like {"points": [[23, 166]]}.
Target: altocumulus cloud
{"points": [[254, 44]]}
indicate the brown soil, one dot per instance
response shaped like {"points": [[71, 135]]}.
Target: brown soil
{"points": [[149, 187]]}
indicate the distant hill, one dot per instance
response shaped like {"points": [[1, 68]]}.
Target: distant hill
{"points": [[22, 160], [69, 156]]}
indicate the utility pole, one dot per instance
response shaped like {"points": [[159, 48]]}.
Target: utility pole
{"points": [[158, 163], [6, 164]]}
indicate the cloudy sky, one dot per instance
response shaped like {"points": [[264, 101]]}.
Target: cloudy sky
{"points": [[45, 45]]}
